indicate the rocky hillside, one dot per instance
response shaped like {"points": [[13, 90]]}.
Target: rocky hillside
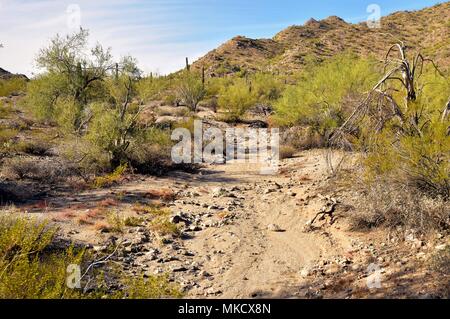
{"points": [[5, 75], [427, 30]]}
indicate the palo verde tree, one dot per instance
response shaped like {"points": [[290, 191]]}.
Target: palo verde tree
{"points": [[73, 77], [81, 66], [400, 125], [91, 96], [190, 90]]}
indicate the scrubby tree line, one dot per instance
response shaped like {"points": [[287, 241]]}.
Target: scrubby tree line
{"points": [[93, 99]]}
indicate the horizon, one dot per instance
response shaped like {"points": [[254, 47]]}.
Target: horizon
{"points": [[160, 34]]}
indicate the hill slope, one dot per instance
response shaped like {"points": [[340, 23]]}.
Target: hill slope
{"points": [[427, 30], [5, 75]]}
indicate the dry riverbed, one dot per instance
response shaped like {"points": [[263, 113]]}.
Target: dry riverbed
{"points": [[246, 235]]}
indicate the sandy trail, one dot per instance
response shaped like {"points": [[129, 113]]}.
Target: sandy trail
{"points": [[245, 258], [251, 260]]}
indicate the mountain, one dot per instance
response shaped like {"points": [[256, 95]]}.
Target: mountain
{"points": [[427, 30], [5, 75]]}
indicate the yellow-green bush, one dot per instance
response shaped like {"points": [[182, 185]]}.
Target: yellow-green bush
{"points": [[326, 94], [32, 267], [406, 166], [11, 86], [236, 99], [110, 179], [190, 90], [43, 93], [26, 270], [155, 287], [153, 88], [268, 87]]}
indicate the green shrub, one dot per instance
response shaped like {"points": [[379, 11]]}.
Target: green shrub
{"points": [[34, 147], [15, 85], [110, 179], [155, 287], [406, 165], [116, 222], [190, 90], [153, 88], [32, 267], [89, 157], [68, 114], [164, 227], [26, 269], [419, 161], [326, 94], [236, 99], [268, 87], [43, 94]]}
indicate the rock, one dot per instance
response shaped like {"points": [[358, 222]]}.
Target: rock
{"points": [[212, 291], [305, 272], [218, 192], [151, 257], [179, 269], [274, 228], [204, 274], [292, 194], [332, 269], [269, 191], [158, 271], [139, 239], [195, 228], [356, 267], [421, 255], [100, 248], [180, 217]]}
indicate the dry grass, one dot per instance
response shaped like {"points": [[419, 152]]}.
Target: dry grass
{"points": [[166, 195], [287, 151], [164, 227], [388, 204], [110, 179], [108, 202], [84, 220], [102, 226], [96, 213], [64, 216]]}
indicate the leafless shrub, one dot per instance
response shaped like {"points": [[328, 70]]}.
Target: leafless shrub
{"points": [[287, 151], [303, 138], [37, 170], [441, 261], [38, 148], [389, 204]]}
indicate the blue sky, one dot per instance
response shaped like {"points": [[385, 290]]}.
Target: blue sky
{"points": [[160, 33]]}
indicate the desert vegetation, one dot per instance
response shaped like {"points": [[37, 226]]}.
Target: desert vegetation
{"points": [[86, 145]]}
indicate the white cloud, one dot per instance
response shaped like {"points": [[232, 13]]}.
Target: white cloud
{"points": [[152, 31]]}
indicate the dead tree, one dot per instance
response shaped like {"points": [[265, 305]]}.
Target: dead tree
{"points": [[379, 106], [446, 111]]}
